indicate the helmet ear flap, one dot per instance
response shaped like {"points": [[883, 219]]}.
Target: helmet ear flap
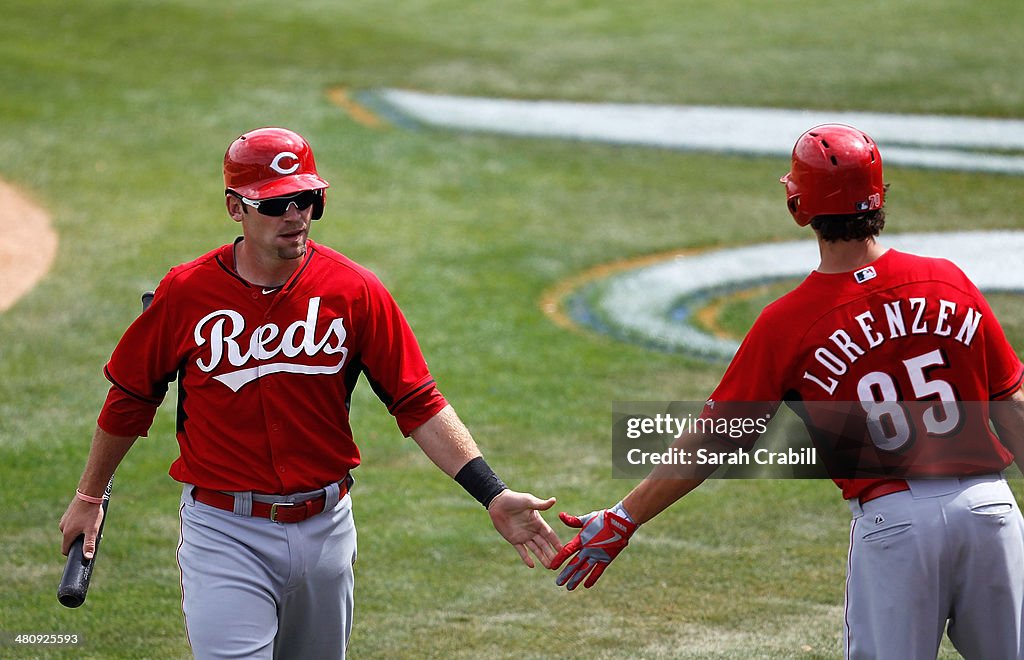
{"points": [[793, 202]]}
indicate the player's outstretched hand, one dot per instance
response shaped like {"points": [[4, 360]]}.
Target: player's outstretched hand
{"points": [[603, 535], [516, 517]]}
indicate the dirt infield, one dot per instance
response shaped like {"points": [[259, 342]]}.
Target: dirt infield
{"points": [[28, 244]]}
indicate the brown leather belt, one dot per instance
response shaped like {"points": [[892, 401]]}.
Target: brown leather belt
{"points": [[282, 512], [882, 488]]}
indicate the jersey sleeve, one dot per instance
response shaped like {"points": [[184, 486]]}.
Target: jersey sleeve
{"points": [[141, 367], [394, 364], [749, 393], [124, 415], [1005, 371]]}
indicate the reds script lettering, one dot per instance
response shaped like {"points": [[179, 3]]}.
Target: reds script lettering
{"points": [[899, 318], [261, 345]]}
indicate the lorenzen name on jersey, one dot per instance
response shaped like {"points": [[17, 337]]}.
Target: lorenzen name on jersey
{"points": [[895, 319]]}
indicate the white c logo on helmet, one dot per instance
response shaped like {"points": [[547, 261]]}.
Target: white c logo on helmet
{"points": [[276, 163]]}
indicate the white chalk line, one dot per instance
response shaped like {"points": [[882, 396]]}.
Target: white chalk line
{"points": [[930, 141]]}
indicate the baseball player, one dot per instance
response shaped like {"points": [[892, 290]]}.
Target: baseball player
{"points": [[267, 337], [896, 364]]}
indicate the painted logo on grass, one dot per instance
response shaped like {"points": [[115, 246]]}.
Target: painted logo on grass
{"points": [[655, 303]]}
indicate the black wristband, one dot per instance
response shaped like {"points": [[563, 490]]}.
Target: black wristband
{"points": [[480, 481]]}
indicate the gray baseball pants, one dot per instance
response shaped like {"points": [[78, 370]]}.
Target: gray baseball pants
{"points": [[253, 588], [947, 555]]}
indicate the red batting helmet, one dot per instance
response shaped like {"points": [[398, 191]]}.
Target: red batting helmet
{"points": [[836, 170], [270, 162]]}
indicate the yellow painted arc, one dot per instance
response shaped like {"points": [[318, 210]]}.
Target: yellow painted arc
{"points": [[362, 115], [553, 299]]}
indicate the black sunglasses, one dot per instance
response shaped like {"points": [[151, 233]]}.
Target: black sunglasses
{"points": [[276, 206]]}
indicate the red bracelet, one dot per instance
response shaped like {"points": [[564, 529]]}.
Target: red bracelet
{"points": [[88, 498]]}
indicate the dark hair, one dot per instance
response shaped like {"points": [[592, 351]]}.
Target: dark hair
{"points": [[849, 227]]}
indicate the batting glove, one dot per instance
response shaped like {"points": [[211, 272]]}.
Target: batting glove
{"points": [[603, 535]]}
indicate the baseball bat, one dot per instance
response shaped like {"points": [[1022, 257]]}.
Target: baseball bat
{"points": [[74, 583]]}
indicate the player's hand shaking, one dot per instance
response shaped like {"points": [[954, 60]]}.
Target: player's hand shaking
{"points": [[603, 535], [517, 517]]}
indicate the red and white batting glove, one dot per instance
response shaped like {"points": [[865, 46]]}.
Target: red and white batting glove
{"points": [[603, 535]]}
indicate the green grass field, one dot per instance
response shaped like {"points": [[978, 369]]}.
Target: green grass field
{"points": [[115, 116]]}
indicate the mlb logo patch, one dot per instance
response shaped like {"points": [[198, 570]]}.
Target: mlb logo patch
{"points": [[865, 274]]}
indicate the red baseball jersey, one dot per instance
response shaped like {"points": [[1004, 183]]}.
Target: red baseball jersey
{"points": [[265, 376], [891, 367]]}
